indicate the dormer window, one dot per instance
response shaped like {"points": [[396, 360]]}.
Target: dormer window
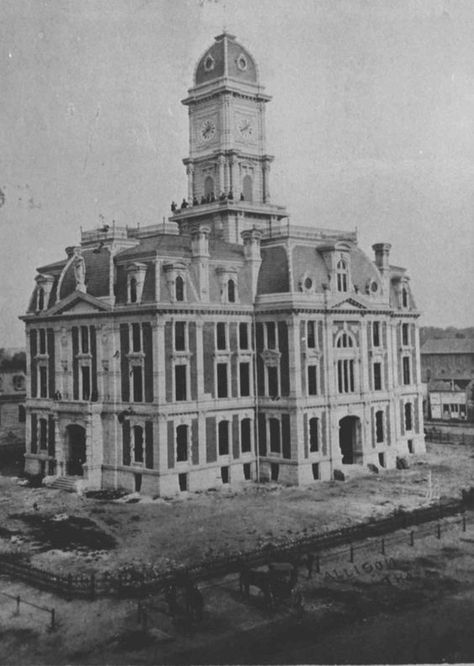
{"points": [[404, 297], [133, 290], [341, 274], [135, 281], [40, 299], [227, 277], [231, 291], [179, 288], [44, 284]]}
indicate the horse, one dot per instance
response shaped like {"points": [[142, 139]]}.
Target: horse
{"points": [[261, 579]]}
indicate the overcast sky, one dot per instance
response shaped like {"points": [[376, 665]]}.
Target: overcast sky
{"points": [[371, 125]]}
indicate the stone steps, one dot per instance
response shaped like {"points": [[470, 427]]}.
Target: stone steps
{"points": [[67, 483]]}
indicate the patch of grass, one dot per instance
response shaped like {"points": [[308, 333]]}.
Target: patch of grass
{"points": [[70, 534]]}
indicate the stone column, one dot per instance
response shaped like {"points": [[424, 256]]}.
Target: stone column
{"points": [[159, 376], [294, 357], [221, 187], [59, 445], [233, 177], [266, 181], [190, 174]]}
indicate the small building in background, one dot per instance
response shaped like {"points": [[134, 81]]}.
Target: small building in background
{"points": [[448, 370], [12, 401]]}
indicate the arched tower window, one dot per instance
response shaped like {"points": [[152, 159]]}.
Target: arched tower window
{"points": [[341, 272], [133, 290], [179, 286], [231, 291], [344, 341], [208, 186], [247, 188]]}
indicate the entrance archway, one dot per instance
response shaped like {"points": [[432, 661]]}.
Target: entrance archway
{"points": [[349, 439], [76, 449]]}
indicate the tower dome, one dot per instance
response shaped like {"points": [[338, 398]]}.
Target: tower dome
{"points": [[226, 58]]}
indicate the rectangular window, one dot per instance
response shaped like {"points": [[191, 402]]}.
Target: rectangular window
{"points": [[181, 443], [313, 435], [271, 335], [379, 435], [273, 381], [345, 376], [42, 341], [406, 370], [223, 438], [180, 382], [312, 380], [246, 435], [377, 376], [43, 434], [43, 377], [405, 334], [244, 370], [408, 416], [222, 390], [244, 336], [311, 335], [137, 383], [180, 336], [86, 382], [275, 445], [376, 333], [138, 444], [84, 339], [136, 338], [221, 336]]}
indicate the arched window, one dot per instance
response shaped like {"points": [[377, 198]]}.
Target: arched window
{"points": [[133, 290], [404, 297], [313, 435], [341, 272], [179, 288], [344, 341], [231, 291], [208, 186], [247, 188], [40, 298]]}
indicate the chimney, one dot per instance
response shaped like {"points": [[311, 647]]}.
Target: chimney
{"points": [[251, 239], [382, 253], [200, 259]]}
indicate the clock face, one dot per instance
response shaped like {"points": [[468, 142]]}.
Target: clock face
{"points": [[245, 128], [207, 130]]}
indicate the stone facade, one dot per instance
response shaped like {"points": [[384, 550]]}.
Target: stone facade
{"points": [[225, 345]]}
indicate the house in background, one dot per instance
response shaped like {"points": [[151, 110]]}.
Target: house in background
{"points": [[447, 366], [226, 344], [12, 400]]}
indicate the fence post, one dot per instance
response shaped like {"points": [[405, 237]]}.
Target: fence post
{"points": [[464, 522], [18, 600], [383, 547], [412, 538], [92, 586], [351, 553], [438, 530], [53, 620], [69, 587]]}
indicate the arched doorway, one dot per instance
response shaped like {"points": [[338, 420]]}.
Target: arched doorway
{"points": [[247, 188], [76, 449], [349, 440]]}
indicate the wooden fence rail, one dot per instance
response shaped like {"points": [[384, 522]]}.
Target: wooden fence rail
{"points": [[137, 583]]}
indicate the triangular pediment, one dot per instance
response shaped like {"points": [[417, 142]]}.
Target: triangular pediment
{"points": [[349, 304], [79, 303]]}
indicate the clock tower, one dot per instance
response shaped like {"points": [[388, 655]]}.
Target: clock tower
{"points": [[228, 168]]}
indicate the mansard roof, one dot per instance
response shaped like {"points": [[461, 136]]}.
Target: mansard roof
{"points": [[448, 346], [226, 58]]}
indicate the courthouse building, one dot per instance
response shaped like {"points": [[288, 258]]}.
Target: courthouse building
{"points": [[224, 345]]}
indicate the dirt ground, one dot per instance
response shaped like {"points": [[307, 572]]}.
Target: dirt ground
{"points": [[106, 535], [366, 611]]}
